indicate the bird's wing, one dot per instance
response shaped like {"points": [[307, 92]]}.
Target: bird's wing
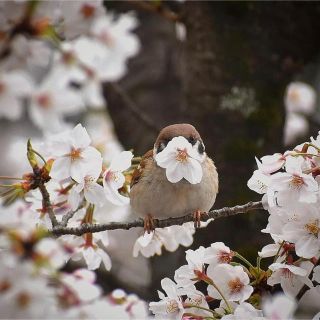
{"points": [[137, 173]]}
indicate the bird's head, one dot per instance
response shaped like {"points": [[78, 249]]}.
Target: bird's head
{"points": [[185, 130]]}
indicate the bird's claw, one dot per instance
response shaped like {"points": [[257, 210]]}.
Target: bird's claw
{"points": [[197, 218], [148, 223]]}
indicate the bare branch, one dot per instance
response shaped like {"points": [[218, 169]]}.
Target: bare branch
{"points": [[214, 214], [46, 204]]}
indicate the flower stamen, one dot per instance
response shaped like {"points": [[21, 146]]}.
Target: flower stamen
{"points": [[313, 228], [75, 154], [235, 285], [296, 182], [172, 306], [182, 155]]}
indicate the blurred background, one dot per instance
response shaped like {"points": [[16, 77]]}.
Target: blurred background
{"points": [[228, 69]]}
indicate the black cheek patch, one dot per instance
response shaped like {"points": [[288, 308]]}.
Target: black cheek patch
{"points": [[192, 140], [201, 148]]}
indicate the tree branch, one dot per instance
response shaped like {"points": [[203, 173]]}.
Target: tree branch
{"points": [[46, 204], [214, 214]]}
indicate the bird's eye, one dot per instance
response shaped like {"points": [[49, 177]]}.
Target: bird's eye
{"points": [[201, 147], [192, 140], [162, 145]]}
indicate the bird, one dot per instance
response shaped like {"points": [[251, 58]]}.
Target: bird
{"points": [[153, 196]]}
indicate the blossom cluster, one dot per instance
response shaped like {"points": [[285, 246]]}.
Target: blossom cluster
{"points": [[289, 183], [228, 287], [56, 54], [32, 284]]}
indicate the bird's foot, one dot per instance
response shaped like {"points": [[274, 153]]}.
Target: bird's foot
{"points": [[148, 223], [197, 218]]}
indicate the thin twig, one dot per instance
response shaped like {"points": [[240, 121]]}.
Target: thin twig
{"points": [[46, 204], [69, 215], [130, 104], [214, 214]]}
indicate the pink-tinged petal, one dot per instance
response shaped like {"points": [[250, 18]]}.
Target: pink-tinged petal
{"points": [[103, 237], [281, 180], [174, 173], [164, 159], [113, 180], [307, 247], [145, 240], [93, 96], [307, 196], [105, 258], [11, 107], [193, 171], [68, 101], [87, 293], [259, 182], [85, 274], [77, 171], [122, 161], [74, 198], [310, 183], [94, 193], [80, 136], [93, 260], [92, 157], [46, 119], [115, 197], [169, 287], [61, 168]]}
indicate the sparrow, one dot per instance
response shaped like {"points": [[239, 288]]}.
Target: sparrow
{"points": [[152, 195]]}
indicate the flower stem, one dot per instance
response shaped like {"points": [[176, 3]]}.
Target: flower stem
{"points": [[278, 252], [198, 307], [9, 178], [210, 282], [40, 156], [243, 259], [259, 263]]}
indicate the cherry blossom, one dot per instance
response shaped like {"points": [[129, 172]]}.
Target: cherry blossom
{"points": [[180, 161], [52, 251], [93, 256], [232, 281], [53, 99], [291, 277], [279, 307], [304, 232], [113, 178], [92, 191], [218, 253], [186, 275], [120, 44], [271, 164], [169, 306], [80, 284], [294, 182], [295, 126], [14, 86], [300, 98], [244, 311], [169, 237], [79, 16], [259, 182], [74, 155]]}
